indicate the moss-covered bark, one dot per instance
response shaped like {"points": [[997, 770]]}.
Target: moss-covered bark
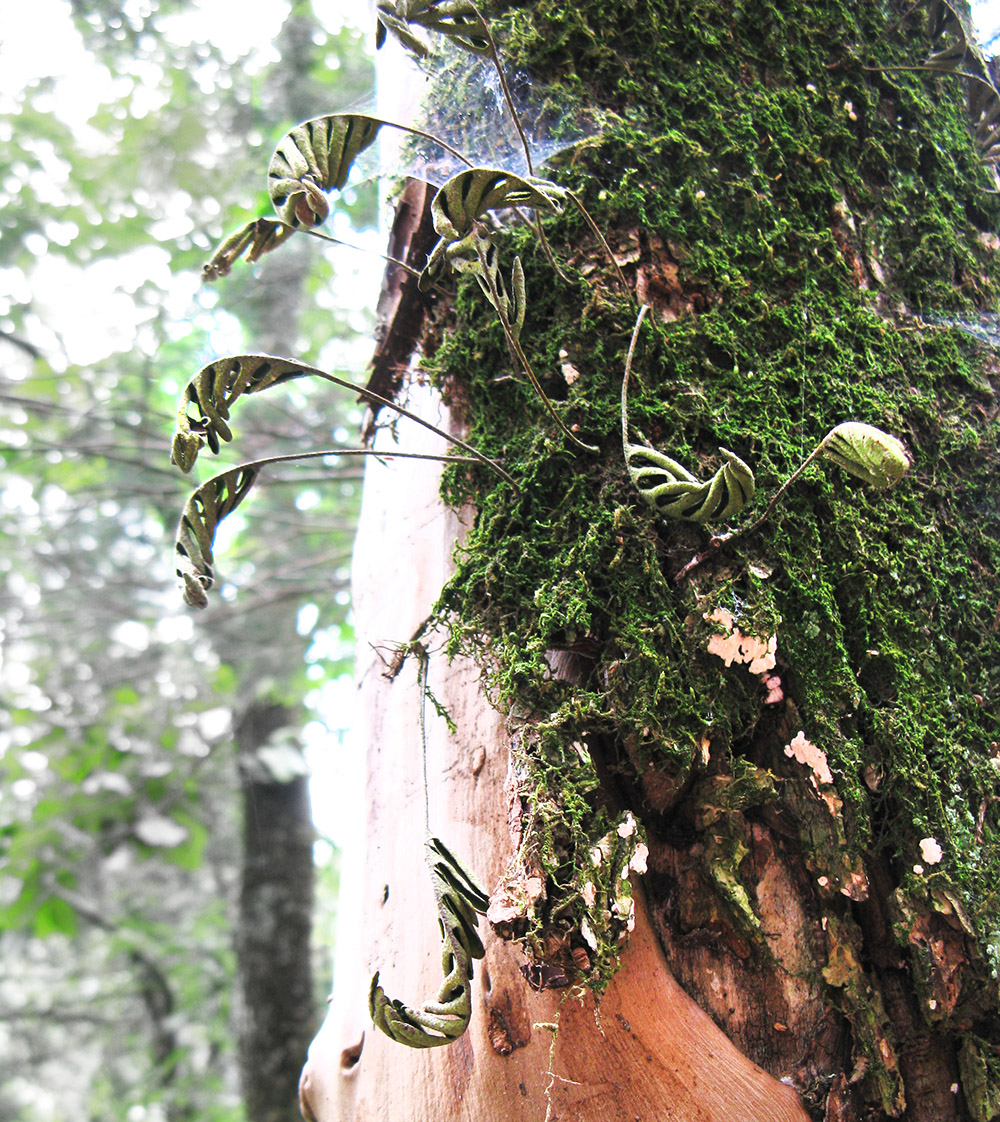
{"points": [[814, 234]]}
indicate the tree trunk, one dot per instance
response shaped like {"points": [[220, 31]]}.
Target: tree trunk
{"points": [[274, 964], [801, 718], [645, 1046]]}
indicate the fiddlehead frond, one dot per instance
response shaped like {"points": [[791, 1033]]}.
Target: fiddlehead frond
{"points": [[252, 241], [443, 1020], [203, 512], [668, 487], [867, 452], [477, 255], [311, 159], [456, 20], [314, 157], [214, 389], [863, 450]]}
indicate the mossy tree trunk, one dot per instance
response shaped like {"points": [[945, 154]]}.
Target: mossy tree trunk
{"points": [[804, 724]]}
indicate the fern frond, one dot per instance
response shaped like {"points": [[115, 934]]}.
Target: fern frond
{"points": [[444, 1019]]}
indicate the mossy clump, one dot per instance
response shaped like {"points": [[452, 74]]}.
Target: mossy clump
{"points": [[811, 232]]}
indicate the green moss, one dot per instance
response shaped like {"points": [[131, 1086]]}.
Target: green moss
{"points": [[799, 209]]}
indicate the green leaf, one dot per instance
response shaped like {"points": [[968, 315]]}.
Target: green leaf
{"points": [[55, 917]]}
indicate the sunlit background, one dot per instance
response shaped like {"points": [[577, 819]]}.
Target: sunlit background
{"points": [[133, 137]]}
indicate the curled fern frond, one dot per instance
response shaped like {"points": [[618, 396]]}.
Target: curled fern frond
{"points": [[984, 112], [668, 487], [867, 452], [955, 51], [204, 410], [464, 201], [251, 241], [671, 490], [952, 35], [443, 1020], [203, 512], [207, 399], [315, 157], [223, 493], [457, 20], [310, 160]]}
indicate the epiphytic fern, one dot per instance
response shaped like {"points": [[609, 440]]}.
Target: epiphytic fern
{"points": [[458, 899], [207, 399], [251, 241], [457, 20], [203, 512], [203, 418], [464, 201], [466, 245], [441, 1021], [462, 23], [312, 159], [873, 456], [668, 486], [865, 451]]}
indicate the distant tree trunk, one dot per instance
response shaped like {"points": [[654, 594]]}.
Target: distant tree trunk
{"points": [[274, 1007], [805, 721], [274, 966]]}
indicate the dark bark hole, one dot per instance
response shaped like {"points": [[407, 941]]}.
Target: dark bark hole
{"points": [[487, 984], [385, 894], [350, 1056]]}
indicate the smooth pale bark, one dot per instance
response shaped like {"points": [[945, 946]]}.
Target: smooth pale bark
{"points": [[647, 1052]]}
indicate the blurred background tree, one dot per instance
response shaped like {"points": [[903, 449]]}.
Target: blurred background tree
{"points": [[153, 795]]}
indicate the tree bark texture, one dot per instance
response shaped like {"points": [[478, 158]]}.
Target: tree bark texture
{"points": [[802, 717], [647, 1051], [274, 1020]]}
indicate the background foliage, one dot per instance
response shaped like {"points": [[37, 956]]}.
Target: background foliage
{"points": [[134, 144]]}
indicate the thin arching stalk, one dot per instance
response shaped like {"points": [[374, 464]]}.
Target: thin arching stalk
{"points": [[423, 659], [596, 231], [319, 453], [521, 359], [371, 395], [494, 56], [628, 371], [313, 232], [434, 139]]}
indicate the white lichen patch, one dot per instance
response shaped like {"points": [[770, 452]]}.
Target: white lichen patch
{"points": [[814, 758], [638, 862], [752, 650], [930, 851]]}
